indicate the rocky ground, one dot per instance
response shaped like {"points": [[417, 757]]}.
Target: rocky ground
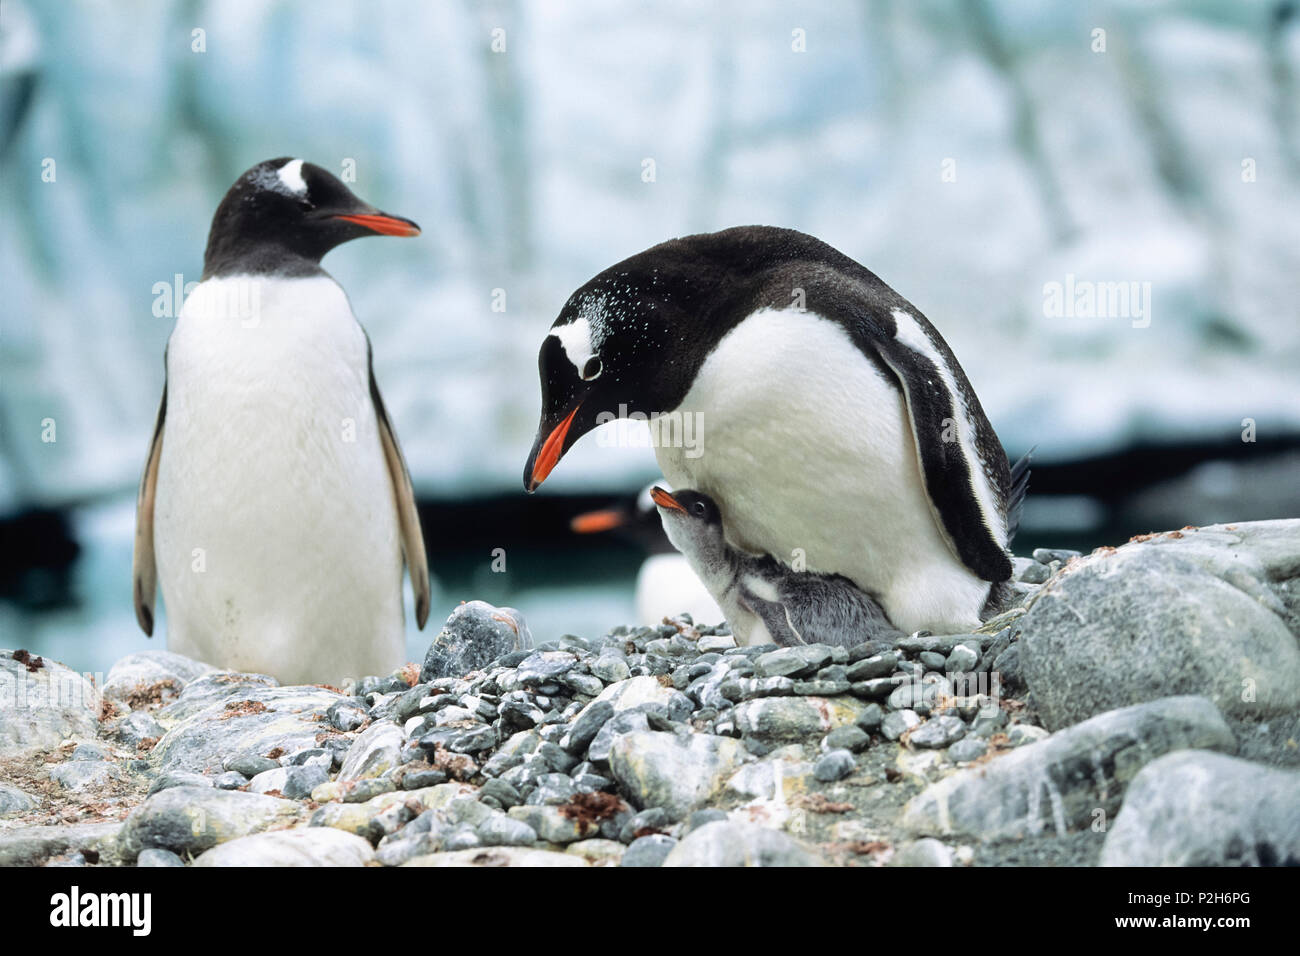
{"points": [[1140, 705]]}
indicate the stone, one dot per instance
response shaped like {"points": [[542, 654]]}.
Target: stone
{"points": [[221, 714], [174, 778], [850, 737], [1118, 628], [1059, 782], [156, 857], [656, 769], [14, 801], [376, 750], [41, 708], [924, 852], [500, 829], [898, 722], [834, 765], [474, 636], [553, 825], [587, 725], [150, 678], [793, 661], [937, 732], [1197, 808], [498, 856], [871, 718], [794, 718], [194, 819], [33, 846], [649, 850], [967, 749], [733, 843], [305, 846], [963, 659], [597, 851], [137, 727], [80, 775]]}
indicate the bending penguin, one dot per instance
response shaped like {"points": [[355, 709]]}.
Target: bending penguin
{"points": [[764, 601], [832, 422], [276, 509]]}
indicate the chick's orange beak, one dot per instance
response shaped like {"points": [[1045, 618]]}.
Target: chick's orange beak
{"points": [[664, 500]]}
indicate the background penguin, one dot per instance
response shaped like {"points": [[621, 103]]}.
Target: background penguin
{"points": [[835, 423], [666, 584], [275, 506], [766, 602]]}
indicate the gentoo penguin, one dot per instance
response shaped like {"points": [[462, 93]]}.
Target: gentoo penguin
{"points": [[766, 602], [666, 583], [819, 407], [275, 507]]}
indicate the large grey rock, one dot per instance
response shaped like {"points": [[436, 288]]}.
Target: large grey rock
{"points": [[678, 773], [375, 751], [795, 718], [476, 634], [728, 843], [43, 706], [1207, 611], [209, 722], [307, 846], [194, 819], [32, 846], [152, 677], [1195, 808], [13, 800], [1063, 780]]}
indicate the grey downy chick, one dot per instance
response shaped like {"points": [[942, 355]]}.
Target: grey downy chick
{"points": [[765, 601]]}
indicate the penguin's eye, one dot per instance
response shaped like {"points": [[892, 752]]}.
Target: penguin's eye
{"points": [[592, 369], [699, 510]]}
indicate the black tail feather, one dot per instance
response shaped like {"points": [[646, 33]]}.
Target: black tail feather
{"points": [[1016, 496]]}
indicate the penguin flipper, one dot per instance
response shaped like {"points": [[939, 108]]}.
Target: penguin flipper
{"points": [[1016, 497], [408, 518], [144, 571], [774, 616], [961, 459]]}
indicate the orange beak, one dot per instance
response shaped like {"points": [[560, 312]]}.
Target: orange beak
{"points": [[384, 225], [549, 454], [593, 522], [664, 500]]}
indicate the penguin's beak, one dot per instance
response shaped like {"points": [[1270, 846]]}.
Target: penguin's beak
{"points": [[547, 454], [664, 500], [381, 223], [594, 522]]}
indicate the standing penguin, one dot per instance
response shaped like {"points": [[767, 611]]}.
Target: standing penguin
{"points": [[275, 507], [831, 422], [765, 601]]}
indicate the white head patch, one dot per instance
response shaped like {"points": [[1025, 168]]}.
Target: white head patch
{"points": [[575, 338], [291, 177]]}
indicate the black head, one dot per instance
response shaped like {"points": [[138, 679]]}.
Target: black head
{"points": [[284, 214], [693, 505], [632, 339]]}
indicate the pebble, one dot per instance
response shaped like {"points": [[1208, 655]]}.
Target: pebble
{"points": [[833, 766], [898, 722], [649, 850], [937, 732], [851, 737]]}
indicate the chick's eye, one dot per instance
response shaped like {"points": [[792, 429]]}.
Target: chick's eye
{"points": [[699, 509], [592, 369]]}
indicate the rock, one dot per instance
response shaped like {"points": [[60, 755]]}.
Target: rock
{"points": [[871, 718], [500, 829], [937, 732], [250, 765], [651, 818], [587, 725], [1118, 627], [474, 636], [33, 846], [346, 715], [151, 678], [1196, 808], [898, 722], [967, 749], [13, 800], [194, 819], [305, 846], [43, 706], [657, 769], [963, 658], [715, 642], [172, 778], [1048, 555], [924, 852], [553, 825], [649, 850], [633, 693], [381, 815], [498, 856], [740, 844], [1060, 781], [155, 857], [220, 715], [793, 661], [833, 766], [597, 852], [794, 718], [376, 750], [878, 665], [137, 727], [85, 774], [850, 737]]}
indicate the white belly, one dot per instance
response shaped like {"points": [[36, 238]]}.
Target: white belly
{"points": [[808, 451], [275, 525]]}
